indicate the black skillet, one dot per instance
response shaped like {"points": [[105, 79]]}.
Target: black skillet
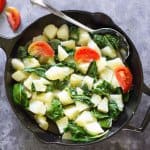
{"points": [[95, 21]]}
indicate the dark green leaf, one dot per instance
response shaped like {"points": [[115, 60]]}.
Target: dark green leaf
{"points": [[99, 115], [55, 111], [74, 33], [19, 95], [113, 109], [126, 97], [107, 40], [22, 52], [86, 90], [38, 71], [69, 51], [54, 44], [92, 71], [106, 123], [68, 64]]}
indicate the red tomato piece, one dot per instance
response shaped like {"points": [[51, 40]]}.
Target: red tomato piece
{"points": [[86, 54], [2, 5], [13, 17], [124, 77], [40, 48]]}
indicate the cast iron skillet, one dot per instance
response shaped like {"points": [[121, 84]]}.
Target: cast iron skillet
{"points": [[93, 20]]}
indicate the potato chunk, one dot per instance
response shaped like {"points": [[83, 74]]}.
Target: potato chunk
{"points": [[50, 31], [69, 44], [63, 32], [62, 54], [76, 80], [31, 62], [17, 64], [19, 76], [103, 105]]}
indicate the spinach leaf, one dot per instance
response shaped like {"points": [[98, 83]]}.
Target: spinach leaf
{"points": [[54, 44], [104, 89], [19, 95], [106, 123], [38, 71], [99, 115], [69, 51], [86, 90], [92, 71], [68, 64], [22, 52], [74, 33], [107, 40], [113, 110], [60, 85], [83, 98], [125, 96], [79, 134], [55, 111]]}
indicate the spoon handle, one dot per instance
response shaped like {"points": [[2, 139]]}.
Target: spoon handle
{"points": [[60, 14]]}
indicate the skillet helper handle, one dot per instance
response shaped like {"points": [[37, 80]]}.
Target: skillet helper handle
{"points": [[146, 120]]}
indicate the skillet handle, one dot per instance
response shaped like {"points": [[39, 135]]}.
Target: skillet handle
{"points": [[146, 120], [7, 44]]}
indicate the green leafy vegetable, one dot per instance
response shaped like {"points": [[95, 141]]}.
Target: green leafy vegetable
{"points": [[79, 134], [92, 71], [22, 52], [99, 115], [57, 84], [55, 111], [125, 96], [38, 71], [68, 64], [106, 123], [19, 95], [54, 44], [86, 90], [69, 51], [113, 110], [74, 33], [104, 89], [107, 40]]}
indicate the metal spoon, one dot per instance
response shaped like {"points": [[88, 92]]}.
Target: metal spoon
{"points": [[123, 53]]}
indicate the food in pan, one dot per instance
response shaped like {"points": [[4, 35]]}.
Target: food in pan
{"points": [[74, 78]]}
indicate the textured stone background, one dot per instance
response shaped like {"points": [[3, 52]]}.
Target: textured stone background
{"points": [[133, 16]]}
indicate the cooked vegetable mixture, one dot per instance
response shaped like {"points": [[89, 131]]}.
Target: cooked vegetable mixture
{"points": [[73, 78]]}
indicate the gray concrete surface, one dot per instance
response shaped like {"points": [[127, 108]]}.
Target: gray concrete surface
{"points": [[133, 16]]}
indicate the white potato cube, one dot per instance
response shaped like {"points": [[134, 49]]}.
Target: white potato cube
{"points": [[115, 82], [17, 64], [84, 118], [84, 37], [69, 44], [76, 80], [46, 98], [93, 128], [108, 51], [71, 112], [63, 32], [118, 99], [50, 31], [55, 72], [62, 54], [94, 46], [65, 97], [41, 120], [103, 106], [62, 124], [101, 64], [114, 63], [39, 38], [96, 99], [107, 74], [39, 86], [31, 62], [83, 67], [19, 76], [29, 94], [81, 106], [88, 81], [37, 107]]}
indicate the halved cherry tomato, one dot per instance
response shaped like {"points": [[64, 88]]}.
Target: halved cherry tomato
{"points": [[86, 54], [124, 77], [2, 5], [40, 48], [13, 17]]}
